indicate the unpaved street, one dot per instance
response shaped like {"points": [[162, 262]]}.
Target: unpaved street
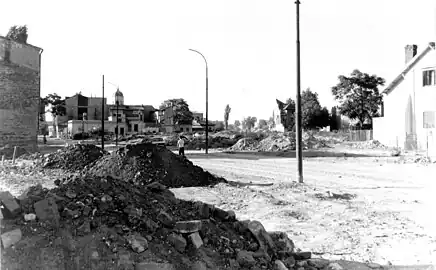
{"points": [[390, 220]]}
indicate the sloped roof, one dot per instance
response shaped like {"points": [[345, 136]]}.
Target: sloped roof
{"points": [[24, 44], [412, 63]]}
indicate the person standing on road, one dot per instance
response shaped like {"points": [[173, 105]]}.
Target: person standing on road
{"points": [[181, 146]]}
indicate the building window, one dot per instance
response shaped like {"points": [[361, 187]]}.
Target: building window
{"points": [[135, 127], [428, 77], [429, 119]]}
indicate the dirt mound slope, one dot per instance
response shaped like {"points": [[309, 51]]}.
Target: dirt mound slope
{"points": [[104, 223], [74, 157], [144, 163]]}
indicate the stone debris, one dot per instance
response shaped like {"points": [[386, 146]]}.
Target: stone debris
{"points": [[11, 238], [9, 203], [371, 144], [74, 157]]}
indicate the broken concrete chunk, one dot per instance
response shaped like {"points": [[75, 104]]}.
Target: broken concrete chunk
{"points": [[204, 210], [259, 232], [70, 194], [231, 215], [318, 262], [10, 203], [245, 258], [334, 266], [154, 266], [282, 242], [177, 241], [279, 265], [11, 238], [289, 262], [137, 242], [166, 219], [29, 217], [302, 255], [196, 240], [188, 226], [220, 214], [47, 209], [156, 186]]}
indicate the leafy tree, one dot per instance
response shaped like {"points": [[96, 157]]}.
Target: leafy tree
{"points": [[227, 111], [249, 122], [57, 108], [18, 33], [358, 95], [262, 124], [313, 115], [182, 114], [237, 124]]}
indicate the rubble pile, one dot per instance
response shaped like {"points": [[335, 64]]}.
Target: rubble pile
{"points": [[144, 163], [245, 144], [423, 160], [73, 157], [371, 144], [104, 223], [279, 142]]}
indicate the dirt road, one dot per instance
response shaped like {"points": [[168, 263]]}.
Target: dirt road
{"points": [[390, 220]]}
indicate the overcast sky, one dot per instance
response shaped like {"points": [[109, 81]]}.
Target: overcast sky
{"points": [[249, 45]]}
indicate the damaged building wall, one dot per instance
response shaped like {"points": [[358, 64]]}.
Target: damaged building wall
{"points": [[19, 94]]}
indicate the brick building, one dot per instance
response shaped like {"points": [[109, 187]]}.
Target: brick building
{"points": [[20, 67]]}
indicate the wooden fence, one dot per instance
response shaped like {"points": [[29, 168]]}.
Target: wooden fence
{"points": [[360, 135]]}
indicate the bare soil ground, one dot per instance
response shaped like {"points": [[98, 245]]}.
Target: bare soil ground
{"points": [[386, 218]]}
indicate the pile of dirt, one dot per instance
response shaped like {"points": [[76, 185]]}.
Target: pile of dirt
{"points": [[104, 223], [371, 144], [144, 163], [245, 144], [8, 152], [73, 157], [278, 142], [423, 160]]}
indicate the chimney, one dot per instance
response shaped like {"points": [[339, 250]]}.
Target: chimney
{"points": [[411, 51]]}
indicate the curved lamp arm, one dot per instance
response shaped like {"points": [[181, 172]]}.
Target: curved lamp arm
{"points": [[201, 55]]}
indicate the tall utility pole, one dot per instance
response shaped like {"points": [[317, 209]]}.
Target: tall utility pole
{"points": [[102, 117], [299, 129], [207, 102]]}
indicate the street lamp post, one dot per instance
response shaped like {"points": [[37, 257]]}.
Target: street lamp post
{"points": [[207, 101], [116, 133], [299, 129]]}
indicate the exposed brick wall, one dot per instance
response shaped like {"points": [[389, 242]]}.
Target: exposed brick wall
{"points": [[19, 104]]}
